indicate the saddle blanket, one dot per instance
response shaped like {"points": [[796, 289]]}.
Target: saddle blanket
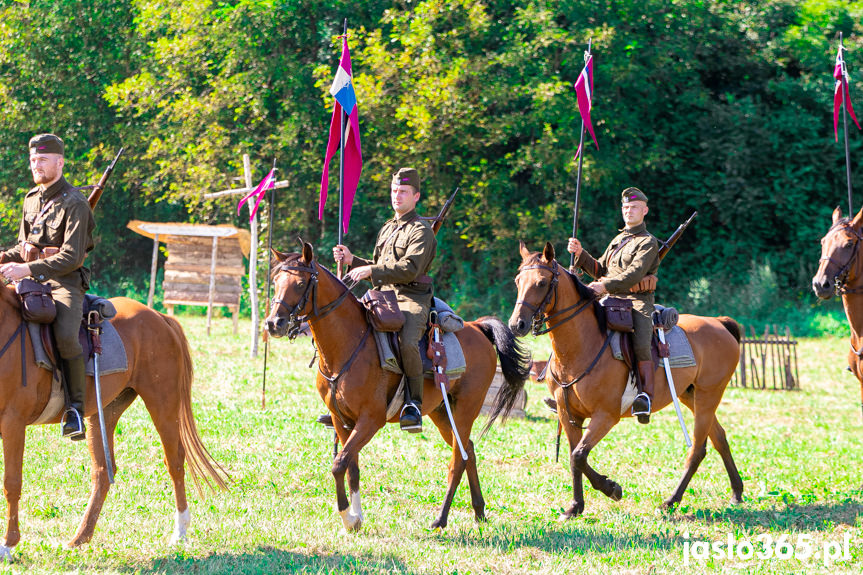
{"points": [[680, 352], [112, 360], [455, 360]]}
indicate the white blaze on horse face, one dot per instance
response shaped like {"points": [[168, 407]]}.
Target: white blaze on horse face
{"points": [[182, 519]]}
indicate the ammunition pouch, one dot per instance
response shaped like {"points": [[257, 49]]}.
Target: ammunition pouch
{"points": [[382, 309], [31, 252], [37, 304], [618, 314]]}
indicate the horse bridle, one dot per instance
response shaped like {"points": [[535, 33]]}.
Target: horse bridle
{"points": [[842, 274], [539, 317], [295, 316]]}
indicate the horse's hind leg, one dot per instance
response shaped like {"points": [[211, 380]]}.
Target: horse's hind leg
{"points": [[703, 407], [98, 468], [457, 467], [164, 410], [720, 443]]}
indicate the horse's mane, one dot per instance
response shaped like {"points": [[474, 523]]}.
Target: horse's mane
{"points": [[582, 290], [8, 295]]}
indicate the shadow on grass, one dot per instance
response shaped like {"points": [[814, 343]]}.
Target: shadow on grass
{"points": [[269, 559], [573, 536], [812, 517]]}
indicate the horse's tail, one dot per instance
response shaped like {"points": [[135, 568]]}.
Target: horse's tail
{"points": [[202, 466], [514, 363], [731, 325]]}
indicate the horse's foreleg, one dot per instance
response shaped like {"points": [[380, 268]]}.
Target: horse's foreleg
{"points": [[572, 429], [599, 426], [98, 468], [13, 465], [352, 441], [457, 467]]}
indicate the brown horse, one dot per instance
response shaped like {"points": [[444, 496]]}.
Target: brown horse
{"points": [[357, 390], [587, 382], [840, 271], [160, 371]]}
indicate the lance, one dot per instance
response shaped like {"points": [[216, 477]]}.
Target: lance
{"points": [[578, 176], [269, 281], [843, 87]]}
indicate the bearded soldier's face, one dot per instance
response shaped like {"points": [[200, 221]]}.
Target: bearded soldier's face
{"points": [[634, 212], [46, 168]]}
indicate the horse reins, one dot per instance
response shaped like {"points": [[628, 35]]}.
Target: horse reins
{"points": [[842, 274], [295, 319], [539, 316]]}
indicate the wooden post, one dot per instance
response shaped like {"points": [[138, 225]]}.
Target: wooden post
{"points": [[253, 260], [743, 359], [153, 267], [212, 282]]}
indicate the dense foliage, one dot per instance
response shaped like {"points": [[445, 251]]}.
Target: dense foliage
{"points": [[722, 107]]}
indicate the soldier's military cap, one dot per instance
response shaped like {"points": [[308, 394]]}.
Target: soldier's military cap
{"points": [[46, 144], [407, 177], [633, 195]]}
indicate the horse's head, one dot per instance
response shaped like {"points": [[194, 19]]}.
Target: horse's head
{"points": [[838, 252], [537, 278], [295, 277]]}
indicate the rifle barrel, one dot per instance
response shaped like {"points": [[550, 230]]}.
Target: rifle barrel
{"points": [[96, 194]]}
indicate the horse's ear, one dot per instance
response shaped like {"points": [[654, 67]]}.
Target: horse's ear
{"points": [[522, 248], [279, 255], [548, 252], [837, 214], [858, 220], [308, 253]]}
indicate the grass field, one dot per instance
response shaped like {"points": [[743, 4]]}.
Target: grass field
{"points": [[799, 454]]}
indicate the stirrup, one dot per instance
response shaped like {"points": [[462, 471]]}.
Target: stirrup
{"points": [[641, 407], [73, 425], [326, 420], [406, 420]]}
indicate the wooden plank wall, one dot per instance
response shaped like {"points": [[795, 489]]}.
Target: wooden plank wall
{"points": [[187, 271]]}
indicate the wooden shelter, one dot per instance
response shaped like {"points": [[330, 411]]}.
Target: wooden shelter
{"points": [[204, 266]]}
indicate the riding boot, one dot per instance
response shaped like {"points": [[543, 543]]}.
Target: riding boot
{"points": [[76, 382], [411, 418], [641, 406]]}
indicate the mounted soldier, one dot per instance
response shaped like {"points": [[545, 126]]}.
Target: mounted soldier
{"points": [[54, 237], [403, 254], [627, 270]]}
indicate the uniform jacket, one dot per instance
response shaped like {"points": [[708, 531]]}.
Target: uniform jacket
{"points": [[59, 217], [404, 251], [620, 268]]}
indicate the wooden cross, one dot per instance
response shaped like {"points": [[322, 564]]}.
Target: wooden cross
{"points": [[253, 253]]}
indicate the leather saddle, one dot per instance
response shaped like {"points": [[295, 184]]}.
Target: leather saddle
{"points": [[92, 303]]}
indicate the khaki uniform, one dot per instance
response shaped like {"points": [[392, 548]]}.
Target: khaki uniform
{"points": [[59, 217], [404, 251], [630, 256]]}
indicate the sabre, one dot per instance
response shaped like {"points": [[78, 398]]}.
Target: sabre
{"points": [[671, 388], [441, 379], [95, 329]]}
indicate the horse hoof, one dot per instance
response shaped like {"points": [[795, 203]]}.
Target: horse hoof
{"points": [[668, 505], [571, 513], [616, 493], [736, 499], [438, 525], [6, 554], [351, 521]]}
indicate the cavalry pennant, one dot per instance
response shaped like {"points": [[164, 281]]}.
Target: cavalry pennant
{"points": [[841, 75], [584, 95]]}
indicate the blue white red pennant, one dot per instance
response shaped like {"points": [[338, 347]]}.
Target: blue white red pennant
{"points": [[841, 75]]}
